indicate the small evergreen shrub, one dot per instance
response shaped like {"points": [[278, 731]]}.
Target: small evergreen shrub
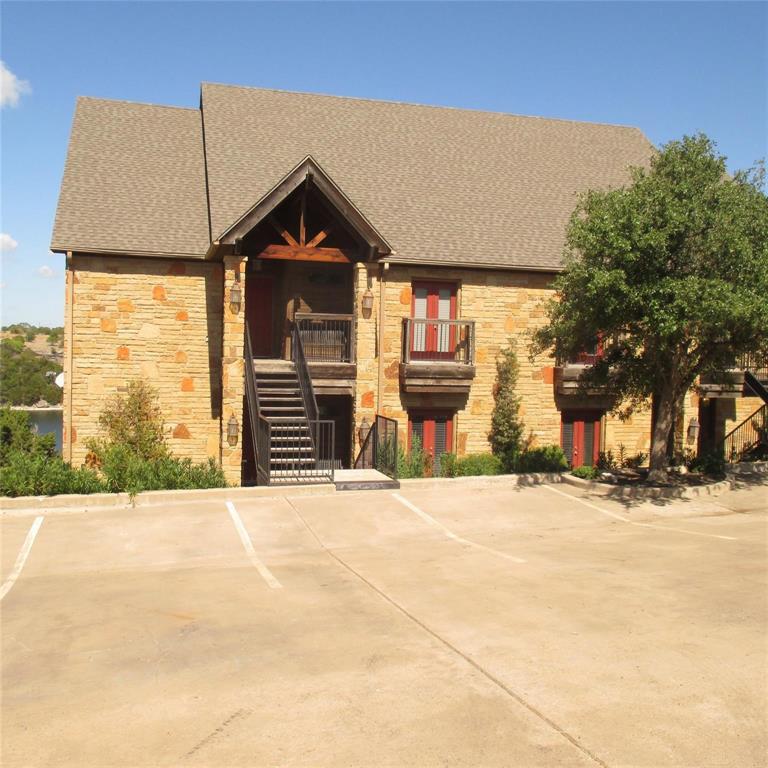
{"points": [[506, 435], [586, 473], [133, 420], [547, 458], [478, 464], [415, 462]]}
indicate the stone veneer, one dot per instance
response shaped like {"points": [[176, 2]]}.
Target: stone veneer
{"points": [[505, 306], [170, 322], [158, 319]]}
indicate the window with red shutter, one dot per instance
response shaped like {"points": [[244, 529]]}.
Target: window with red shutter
{"points": [[434, 431], [580, 437]]}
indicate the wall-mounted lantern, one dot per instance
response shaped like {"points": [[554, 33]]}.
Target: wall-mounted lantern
{"points": [[363, 430], [235, 295], [367, 303], [233, 431], [693, 431]]}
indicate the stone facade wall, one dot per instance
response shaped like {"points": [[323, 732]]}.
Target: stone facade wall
{"points": [[506, 306], [158, 319]]}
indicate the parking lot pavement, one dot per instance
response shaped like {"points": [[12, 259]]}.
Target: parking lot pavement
{"points": [[499, 626]]}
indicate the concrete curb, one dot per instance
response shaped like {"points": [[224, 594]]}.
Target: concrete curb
{"points": [[73, 503], [482, 481], [624, 492], [748, 468]]}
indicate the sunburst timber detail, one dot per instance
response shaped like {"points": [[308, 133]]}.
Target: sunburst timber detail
{"points": [[292, 253]]}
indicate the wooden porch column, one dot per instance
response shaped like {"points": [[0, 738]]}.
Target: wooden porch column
{"points": [[232, 370]]}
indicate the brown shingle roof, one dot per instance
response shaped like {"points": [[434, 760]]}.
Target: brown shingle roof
{"points": [[440, 184], [134, 181]]}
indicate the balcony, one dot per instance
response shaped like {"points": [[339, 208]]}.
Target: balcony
{"points": [[329, 348], [437, 355], [732, 383]]}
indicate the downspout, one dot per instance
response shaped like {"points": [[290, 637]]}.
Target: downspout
{"points": [[68, 376], [382, 295]]}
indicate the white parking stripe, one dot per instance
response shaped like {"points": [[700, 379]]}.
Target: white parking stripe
{"points": [[22, 558], [450, 534], [266, 574], [633, 522]]}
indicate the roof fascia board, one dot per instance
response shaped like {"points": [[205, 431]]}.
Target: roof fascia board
{"points": [[320, 179], [471, 265], [128, 254]]}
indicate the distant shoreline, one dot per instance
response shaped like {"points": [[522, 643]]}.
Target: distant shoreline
{"points": [[36, 409]]}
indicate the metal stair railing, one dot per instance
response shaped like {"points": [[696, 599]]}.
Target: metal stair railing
{"points": [[260, 427], [750, 438], [379, 449]]}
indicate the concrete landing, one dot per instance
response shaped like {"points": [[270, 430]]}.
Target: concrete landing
{"points": [[362, 480]]}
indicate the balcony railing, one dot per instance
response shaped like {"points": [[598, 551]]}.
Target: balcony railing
{"points": [[435, 341], [327, 338], [757, 364]]}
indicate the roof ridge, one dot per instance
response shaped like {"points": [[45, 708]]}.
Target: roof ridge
{"points": [[136, 103], [424, 106]]}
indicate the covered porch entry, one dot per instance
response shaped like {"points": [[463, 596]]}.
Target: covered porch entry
{"points": [[301, 260]]}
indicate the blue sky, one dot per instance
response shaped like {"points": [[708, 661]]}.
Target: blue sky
{"points": [[668, 68]]}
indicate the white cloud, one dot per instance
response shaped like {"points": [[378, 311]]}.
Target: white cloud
{"points": [[11, 87], [7, 243], [45, 271]]}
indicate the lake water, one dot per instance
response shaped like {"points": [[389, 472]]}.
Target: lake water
{"points": [[47, 422]]}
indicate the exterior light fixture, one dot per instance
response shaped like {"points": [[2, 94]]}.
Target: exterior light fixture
{"points": [[235, 296], [367, 303], [363, 430], [233, 431], [693, 431]]}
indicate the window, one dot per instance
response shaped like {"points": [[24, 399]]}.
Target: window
{"points": [[590, 354], [434, 430], [433, 302], [580, 437]]}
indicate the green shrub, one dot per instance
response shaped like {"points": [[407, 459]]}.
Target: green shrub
{"points": [[586, 473], [506, 433], [446, 467], [29, 474], [607, 462], [478, 464], [709, 463], [547, 458], [134, 421], [124, 471], [16, 435], [415, 462]]}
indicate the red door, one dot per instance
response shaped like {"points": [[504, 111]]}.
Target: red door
{"points": [[434, 430], [258, 300], [433, 302], [580, 437]]}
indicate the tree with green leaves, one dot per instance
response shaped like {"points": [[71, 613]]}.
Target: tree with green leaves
{"points": [[671, 272], [506, 436]]}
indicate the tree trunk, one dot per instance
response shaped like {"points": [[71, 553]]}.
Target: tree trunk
{"points": [[665, 411]]}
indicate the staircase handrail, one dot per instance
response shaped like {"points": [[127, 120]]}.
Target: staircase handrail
{"points": [[746, 436], [259, 425], [302, 373]]}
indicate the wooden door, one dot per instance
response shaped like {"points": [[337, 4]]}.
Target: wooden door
{"points": [[259, 314], [434, 430], [580, 437], [433, 340]]}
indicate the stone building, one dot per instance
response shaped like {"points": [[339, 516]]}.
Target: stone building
{"points": [[286, 267]]}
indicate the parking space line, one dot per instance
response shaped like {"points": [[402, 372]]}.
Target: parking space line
{"points": [[623, 519], [266, 574], [450, 534], [22, 557]]}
